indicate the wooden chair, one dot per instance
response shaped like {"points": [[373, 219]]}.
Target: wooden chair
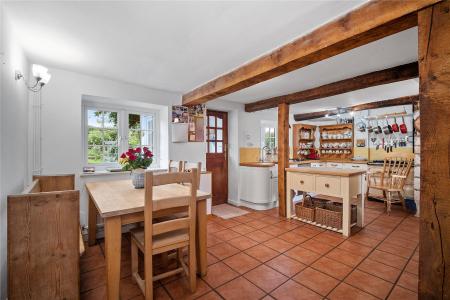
{"points": [[164, 236], [175, 166], [189, 166], [392, 178]]}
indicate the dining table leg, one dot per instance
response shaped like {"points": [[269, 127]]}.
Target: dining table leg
{"points": [[113, 241], [201, 238], [92, 222]]}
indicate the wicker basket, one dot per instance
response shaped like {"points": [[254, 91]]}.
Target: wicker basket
{"points": [[331, 215], [305, 210]]}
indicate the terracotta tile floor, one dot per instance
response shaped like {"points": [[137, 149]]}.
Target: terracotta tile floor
{"points": [[263, 256]]}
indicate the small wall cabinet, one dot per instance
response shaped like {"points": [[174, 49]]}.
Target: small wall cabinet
{"points": [[336, 141], [303, 138]]}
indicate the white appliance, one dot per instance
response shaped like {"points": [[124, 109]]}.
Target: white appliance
{"points": [[180, 132]]}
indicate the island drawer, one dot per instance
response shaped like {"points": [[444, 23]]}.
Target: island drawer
{"points": [[301, 182], [328, 185], [334, 165]]}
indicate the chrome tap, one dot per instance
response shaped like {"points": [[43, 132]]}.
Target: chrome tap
{"points": [[264, 152]]}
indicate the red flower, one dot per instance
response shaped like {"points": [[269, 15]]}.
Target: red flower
{"points": [[137, 150], [145, 149], [132, 157], [129, 153], [123, 155], [131, 150], [148, 154]]}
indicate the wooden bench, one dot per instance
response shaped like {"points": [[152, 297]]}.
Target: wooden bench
{"points": [[44, 240]]}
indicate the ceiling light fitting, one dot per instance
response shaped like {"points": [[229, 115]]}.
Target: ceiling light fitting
{"points": [[41, 76]]}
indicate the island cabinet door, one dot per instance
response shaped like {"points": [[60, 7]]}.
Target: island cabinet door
{"points": [[328, 185]]}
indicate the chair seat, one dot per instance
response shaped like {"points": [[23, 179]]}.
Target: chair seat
{"points": [[383, 187], [161, 240]]}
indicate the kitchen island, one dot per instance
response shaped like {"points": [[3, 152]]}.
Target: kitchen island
{"points": [[345, 184]]}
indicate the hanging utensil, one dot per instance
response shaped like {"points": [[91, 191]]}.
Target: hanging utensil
{"points": [[395, 125], [386, 128], [361, 126], [369, 127], [403, 128], [377, 129]]}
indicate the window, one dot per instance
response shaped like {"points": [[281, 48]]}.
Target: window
{"points": [[268, 134], [215, 134], [269, 137], [102, 136], [110, 131]]}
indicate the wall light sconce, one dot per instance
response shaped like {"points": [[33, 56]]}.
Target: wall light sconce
{"points": [[41, 76]]}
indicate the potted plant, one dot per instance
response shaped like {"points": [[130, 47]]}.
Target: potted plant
{"points": [[136, 160]]}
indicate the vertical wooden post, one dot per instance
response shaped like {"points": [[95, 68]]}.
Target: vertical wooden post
{"points": [[283, 155], [434, 73]]}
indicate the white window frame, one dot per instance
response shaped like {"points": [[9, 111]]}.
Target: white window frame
{"points": [[122, 124], [264, 125]]}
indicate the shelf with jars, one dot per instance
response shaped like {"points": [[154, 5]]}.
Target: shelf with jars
{"points": [[303, 138], [336, 141]]}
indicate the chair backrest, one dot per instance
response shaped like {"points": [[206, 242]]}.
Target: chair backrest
{"points": [[189, 166], [397, 164], [175, 166], [187, 201]]}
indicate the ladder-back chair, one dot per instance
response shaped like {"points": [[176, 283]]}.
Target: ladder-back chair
{"points": [[173, 234], [392, 178], [175, 166], [189, 166]]}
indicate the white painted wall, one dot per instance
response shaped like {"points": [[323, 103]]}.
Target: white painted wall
{"points": [[62, 140], [13, 128]]}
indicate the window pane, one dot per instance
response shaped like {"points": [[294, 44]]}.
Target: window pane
{"points": [[212, 147], [219, 147], [219, 123], [212, 121], [110, 137], [219, 134], [110, 154], [95, 118], [147, 138], [95, 137], [134, 121], [110, 119], [134, 138], [212, 135], [95, 154], [147, 122]]}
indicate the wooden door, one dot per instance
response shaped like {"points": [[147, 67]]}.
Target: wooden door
{"points": [[217, 154]]}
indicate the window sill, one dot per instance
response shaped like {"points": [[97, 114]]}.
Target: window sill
{"points": [[108, 173]]}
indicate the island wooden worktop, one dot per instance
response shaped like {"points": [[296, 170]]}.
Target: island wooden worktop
{"points": [[327, 171], [302, 162], [263, 164]]}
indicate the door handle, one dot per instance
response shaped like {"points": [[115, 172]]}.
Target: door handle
{"points": [[302, 182], [327, 185]]}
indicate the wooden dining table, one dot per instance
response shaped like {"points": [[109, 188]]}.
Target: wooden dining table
{"points": [[119, 203]]}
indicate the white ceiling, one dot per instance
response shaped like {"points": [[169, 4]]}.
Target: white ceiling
{"points": [[177, 46], [172, 46]]}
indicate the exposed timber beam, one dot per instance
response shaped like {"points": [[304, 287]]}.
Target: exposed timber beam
{"points": [[398, 73], [434, 69], [367, 23], [283, 156], [372, 105]]}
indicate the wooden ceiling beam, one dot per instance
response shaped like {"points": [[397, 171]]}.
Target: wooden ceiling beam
{"points": [[367, 23], [372, 105], [399, 73]]}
